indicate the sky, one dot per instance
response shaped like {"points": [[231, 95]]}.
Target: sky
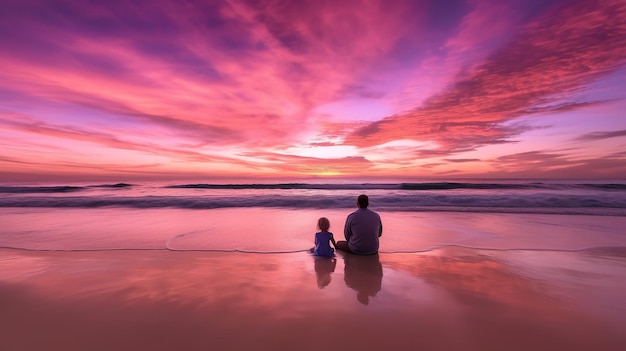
{"points": [[220, 90]]}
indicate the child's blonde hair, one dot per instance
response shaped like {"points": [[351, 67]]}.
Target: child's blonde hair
{"points": [[323, 224]]}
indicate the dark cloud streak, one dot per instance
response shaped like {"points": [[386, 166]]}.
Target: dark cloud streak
{"points": [[601, 135]]}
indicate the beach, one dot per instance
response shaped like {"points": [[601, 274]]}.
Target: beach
{"points": [[515, 266], [446, 299], [169, 170]]}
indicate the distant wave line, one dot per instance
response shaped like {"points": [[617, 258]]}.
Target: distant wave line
{"points": [[57, 189], [401, 186], [346, 186]]}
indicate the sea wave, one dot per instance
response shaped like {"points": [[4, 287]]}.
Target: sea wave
{"points": [[112, 186], [408, 186], [426, 186], [39, 189], [603, 204], [57, 189]]}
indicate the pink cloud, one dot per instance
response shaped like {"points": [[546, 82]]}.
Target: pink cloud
{"points": [[559, 164], [239, 83], [70, 133], [217, 68], [292, 164], [553, 57], [487, 26]]}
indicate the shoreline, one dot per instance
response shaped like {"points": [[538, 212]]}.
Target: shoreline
{"points": [[292, 230], [448, 299]]}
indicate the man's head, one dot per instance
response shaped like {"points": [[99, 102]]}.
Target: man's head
{"points": [[362, 201]]}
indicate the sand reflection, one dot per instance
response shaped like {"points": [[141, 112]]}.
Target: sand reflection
{"points": [[324, 267], [473, 279], [364, 274], [448, 300]]}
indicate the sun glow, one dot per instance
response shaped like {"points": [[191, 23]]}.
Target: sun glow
{"points": [[323, 152]]}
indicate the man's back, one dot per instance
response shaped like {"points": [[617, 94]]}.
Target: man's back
{"points": [[362, 229]]}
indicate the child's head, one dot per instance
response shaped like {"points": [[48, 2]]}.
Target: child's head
{"points": [[323, 224]]}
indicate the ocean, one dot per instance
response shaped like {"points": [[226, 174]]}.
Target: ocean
{"points": [[607, 198], [281, 217]]}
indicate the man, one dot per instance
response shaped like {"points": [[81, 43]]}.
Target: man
{"points": [[362, 230]]}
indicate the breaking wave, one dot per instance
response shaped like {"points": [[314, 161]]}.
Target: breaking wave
{"points": [[603, 204], [57, 189]]}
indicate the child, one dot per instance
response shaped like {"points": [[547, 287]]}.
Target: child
{"points": [[323, 238]]}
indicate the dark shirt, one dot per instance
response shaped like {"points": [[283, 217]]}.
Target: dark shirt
{"points": [[362, 230]]}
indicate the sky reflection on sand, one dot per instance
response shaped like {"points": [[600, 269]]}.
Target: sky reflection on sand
{"points": [[278, 230], [465, 295]]}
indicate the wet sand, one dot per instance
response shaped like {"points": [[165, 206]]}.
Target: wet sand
{"points": [[447, 299]]}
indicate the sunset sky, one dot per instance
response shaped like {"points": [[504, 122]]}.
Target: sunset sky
{"points": [[214, 90]]}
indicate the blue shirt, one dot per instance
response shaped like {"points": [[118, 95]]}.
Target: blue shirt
{"points": [[322, 244]]}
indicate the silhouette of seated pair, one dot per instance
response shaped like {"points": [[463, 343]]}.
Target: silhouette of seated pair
{"points": [[363, 271], [364, 274], [362, 231]]}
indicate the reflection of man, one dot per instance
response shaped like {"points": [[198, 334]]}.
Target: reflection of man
{"points": [[362, 230], [363, 274]]}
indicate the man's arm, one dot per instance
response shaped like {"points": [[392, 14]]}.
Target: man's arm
{"points": [[347, 229], [380, 227]]}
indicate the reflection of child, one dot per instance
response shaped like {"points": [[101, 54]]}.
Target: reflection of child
{"points": [[323, 238], [324, 267]]}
